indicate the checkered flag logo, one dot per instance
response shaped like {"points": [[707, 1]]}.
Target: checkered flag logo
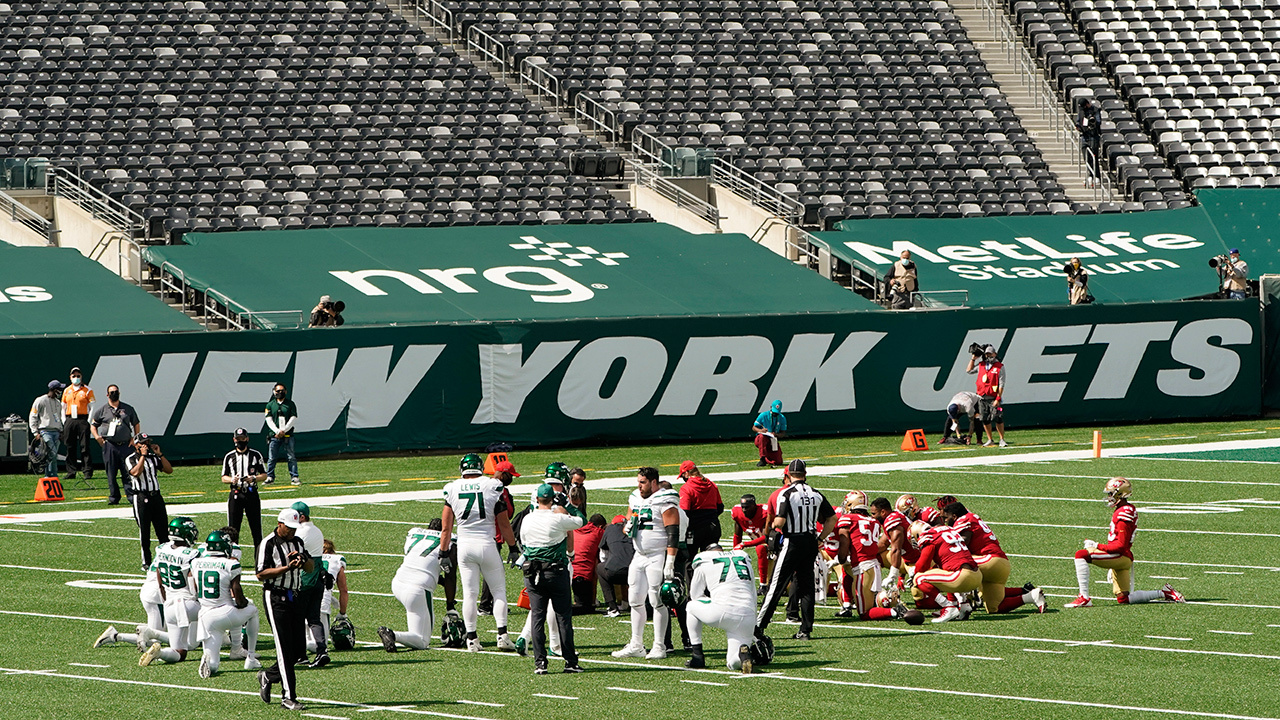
{"points": [[566, 253]]}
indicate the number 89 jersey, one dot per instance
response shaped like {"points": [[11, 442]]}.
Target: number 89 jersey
{"points": [[213, 575], [475, 501], [726, 574]]}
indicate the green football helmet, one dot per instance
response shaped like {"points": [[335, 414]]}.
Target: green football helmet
{"points": [[343, 633], [673, 593], [558, 471], [471, 462], [453, 633], [218, 542], [184, 528]]}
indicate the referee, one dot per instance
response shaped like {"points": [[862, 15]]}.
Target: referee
{"points": [[243, 469], [145, 465], [281, 562], [800, 510]]}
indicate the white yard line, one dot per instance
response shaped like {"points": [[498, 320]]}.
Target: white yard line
{"points": [[479, 702], [1166, 637], [89, 665], [847, 670], [326, 717], [1230, 632], [705, 682], [978, 657], [914, 664], [1067, 558], [630, 690], [1046, 652], [555, 697]]}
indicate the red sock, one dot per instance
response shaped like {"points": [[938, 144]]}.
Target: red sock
{"points": [[877, 613], [927, 588], [927, 603], [1014, 592], [1123, 598], [846, 588], [1010, 603]]}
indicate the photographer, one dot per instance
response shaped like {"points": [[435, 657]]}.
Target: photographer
{"points": [[327, 313], [1089, 123], [1233, 273], [144, 467], [243, 469], [901, 281], [1077, 283], [990, 389]]}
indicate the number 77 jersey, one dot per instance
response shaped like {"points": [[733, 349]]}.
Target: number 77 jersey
{"points": [[726, 575], [476, 502]]}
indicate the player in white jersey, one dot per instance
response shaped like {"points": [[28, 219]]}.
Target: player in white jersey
{"points": [[334, 567], [153, 630], [173, 572], [223, 606], [414, 585], [475, 511], [654, 525], [722, 594]]}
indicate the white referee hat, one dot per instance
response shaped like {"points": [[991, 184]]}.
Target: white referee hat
{"points": [[290, 518]]}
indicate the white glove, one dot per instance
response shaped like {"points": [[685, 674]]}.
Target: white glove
{"points": [[626, 527], [1090, 545], [891, 580], [669, 569]]}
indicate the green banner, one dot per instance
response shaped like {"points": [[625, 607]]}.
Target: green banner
{"points": [[1247, 219], [58, 291], [1016, 261], [440, 275], [643, 380]]}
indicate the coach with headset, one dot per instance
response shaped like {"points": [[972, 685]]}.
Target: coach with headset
{"points": [[800, 510]]}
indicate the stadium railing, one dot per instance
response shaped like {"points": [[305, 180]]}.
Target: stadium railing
{"points": [[863, 279], [66, 182], [24, 215], [940, 298], [645, 175]]}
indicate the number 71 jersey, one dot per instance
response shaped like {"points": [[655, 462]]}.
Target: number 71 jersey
{"points": [[727, 576], [475, 503], [213, 575]]}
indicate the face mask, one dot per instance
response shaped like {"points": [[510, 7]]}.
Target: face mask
{"points": [[242, 444], [75, 381], [113, 396], [280, 393]]}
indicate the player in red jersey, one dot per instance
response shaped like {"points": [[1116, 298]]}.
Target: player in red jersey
{"points": [[859, 552], [750, 531], [945, 569], [896, 552], [1116, 554], [992, 562]]}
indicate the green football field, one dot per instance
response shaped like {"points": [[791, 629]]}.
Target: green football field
{"points": [[1207, 524]]}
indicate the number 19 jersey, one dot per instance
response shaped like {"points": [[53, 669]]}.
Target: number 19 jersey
{"points": [[476, 503], [213, 575], [727, 576]]}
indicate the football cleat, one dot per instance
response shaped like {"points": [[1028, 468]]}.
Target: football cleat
{"points": [[321, 660], [264, 687], [294, 481], [540, 669], [287, 704], [697, 662], [987, 444], [573, 669], [1079, 602], [150, 655], [1172, 595], [504, 643], [612, 613], [800, 636], [659, 652], [1003, 443], [473, 645], [388, 638], [522, 646], [1037, 597], [844, 613], [744, 657], [948, 614], [206, 671], [237, 653], [965, 610], [252, 663], [629, 651], [107, 636]]}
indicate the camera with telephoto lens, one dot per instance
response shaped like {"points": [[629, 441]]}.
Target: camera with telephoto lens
{"points": [[1217, 260], [975, 350]]}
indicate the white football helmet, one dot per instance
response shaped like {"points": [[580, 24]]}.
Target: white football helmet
{"points": [[1117, 489], [855, 500], [916, 531], [906, 505]]}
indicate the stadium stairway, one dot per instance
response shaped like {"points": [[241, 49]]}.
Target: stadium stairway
{"points": [[1021, 80]]}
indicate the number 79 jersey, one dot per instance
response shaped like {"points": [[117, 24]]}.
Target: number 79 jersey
{"points": [[726, 574], [476, 503], [212, 575]]}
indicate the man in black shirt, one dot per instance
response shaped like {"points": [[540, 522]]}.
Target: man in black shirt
{"points": [[113, 425], [281, 562], [242, 469], [800, 510], [613, 571]]}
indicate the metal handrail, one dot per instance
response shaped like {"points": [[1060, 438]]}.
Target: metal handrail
{"points": [[757, 191], [683, 199], [435, 12], [545, 86], [24, 215], [256, 317], [64, 182], [490, 48], [874, 285], [923, 298], [600, 118]]}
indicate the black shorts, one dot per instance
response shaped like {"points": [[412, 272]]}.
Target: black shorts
{"points": [[987, 412]]}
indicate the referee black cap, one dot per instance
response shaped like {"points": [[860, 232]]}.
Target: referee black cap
{"points": [[240, 434], [797, 468]]}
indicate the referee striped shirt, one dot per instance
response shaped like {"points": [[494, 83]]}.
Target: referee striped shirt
{"points": [[803, 508], [273, 553], [147, 480], [237, 465]]}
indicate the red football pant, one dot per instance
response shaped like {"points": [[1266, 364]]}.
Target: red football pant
{"points": [[767, 453], [1012, 599]]}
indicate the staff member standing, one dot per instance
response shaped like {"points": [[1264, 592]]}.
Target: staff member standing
{"points": [[801, 509], [281, 562], [243, 469], [113, 426], [46, 419], [77, 404], [545, 537], [990, 389], [145, 465], [617, 550], [282, 415], [312, 582]]}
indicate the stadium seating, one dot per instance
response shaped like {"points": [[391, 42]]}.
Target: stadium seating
{"points": [[880, 108], [260, 114], [1202, 80]]}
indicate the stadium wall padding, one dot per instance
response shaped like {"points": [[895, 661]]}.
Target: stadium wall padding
{"points": [[646, 380]]}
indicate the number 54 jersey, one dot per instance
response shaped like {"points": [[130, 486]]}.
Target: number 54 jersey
{"points": [[726, 576], [213, 575]]}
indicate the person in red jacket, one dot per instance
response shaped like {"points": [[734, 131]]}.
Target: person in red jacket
{"points": [[700, 500], [1116, 554], [750, 530], [992, 562], [944, 571], [586, 555]]}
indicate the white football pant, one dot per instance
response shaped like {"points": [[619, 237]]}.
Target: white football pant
{"points": [[226, 618], [418, 613], [476, 559], [738, 623], [644, 581]]}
